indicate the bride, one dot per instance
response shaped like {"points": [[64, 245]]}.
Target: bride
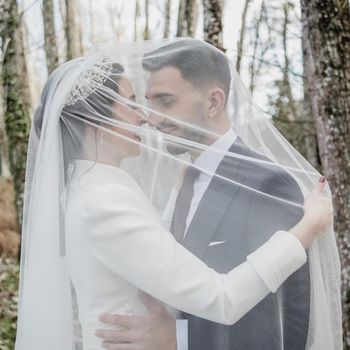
{"points": [[97, 178]]}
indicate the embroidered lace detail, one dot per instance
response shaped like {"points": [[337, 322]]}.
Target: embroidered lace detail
{"points": [[89, 81]]}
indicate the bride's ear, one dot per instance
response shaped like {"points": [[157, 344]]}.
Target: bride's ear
{"points": [[216, 102]]}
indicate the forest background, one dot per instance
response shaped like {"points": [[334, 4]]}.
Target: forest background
{"points": [[293, 55]]}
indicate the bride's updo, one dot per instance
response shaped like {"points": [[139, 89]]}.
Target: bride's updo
{"points": [[88, 98], [88, 104]]}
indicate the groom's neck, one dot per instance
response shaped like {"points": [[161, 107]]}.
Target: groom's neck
{"points": [[208, 141]]}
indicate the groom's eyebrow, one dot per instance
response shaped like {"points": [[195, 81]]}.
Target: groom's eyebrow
{"points": [[159, 95]]}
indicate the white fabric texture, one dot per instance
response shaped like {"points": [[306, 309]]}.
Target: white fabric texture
{"points": [[99, 229], [116, 132]]}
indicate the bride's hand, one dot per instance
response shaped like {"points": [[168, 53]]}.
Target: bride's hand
{"points": [[317, 217]]}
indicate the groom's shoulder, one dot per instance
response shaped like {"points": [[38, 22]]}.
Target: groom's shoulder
{"points": [[251, 162], [261, 172]]}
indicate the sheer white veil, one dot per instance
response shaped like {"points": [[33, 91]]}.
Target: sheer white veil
{"points": [[44, 311], [46, 305]]}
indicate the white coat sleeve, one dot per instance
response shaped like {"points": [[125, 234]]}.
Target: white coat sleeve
{"points": [[127, 237]]}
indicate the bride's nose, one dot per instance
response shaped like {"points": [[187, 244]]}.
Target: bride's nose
{"points": [[142, 118]]}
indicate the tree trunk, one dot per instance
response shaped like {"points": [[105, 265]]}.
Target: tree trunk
{"points": [[92, 23], [181, 20], [292, 115], [187, 18], [311, 147], [146, 34], [50, 35], [253, 70], [241, 36], [116, 13], [212, 22], [80, 43], [327, 35], [167, 12], [137, 15], [16, 99], [4, 163], [72, 32]]}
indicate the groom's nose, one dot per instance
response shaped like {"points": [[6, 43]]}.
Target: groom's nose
{"points": [[154, 119], [142, 118]]}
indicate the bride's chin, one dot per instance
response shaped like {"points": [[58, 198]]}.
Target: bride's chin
{"points": [[137, 150], [133, 151]]}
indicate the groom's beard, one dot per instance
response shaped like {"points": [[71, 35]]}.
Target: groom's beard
{"points": [[177, 149], [186, 133]]}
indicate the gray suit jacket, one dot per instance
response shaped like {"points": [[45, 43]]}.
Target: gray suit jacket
{"points": [[234, 219]]}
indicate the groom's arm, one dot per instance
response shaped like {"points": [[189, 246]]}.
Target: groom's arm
{"points": [[296, 289], [156, 331]]}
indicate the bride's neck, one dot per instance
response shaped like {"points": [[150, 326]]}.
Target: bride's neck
{"points": [[102, 157]]}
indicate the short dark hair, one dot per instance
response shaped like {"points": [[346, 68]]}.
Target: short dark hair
{"points": [[199, 63]]}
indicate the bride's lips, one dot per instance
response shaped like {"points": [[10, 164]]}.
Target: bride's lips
{"points": [[138, 138]]}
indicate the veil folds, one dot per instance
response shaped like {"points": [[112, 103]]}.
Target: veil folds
{"points": [[156, 110]]}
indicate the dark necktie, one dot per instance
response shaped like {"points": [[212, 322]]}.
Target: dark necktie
{"points": [[183, 203]]}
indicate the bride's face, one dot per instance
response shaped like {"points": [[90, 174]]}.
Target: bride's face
{"points": [[128, 144]]}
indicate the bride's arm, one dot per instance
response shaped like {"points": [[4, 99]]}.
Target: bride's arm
{"points": [[127, 238]]}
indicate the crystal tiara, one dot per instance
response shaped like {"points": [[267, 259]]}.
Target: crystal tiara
{"points": [[89, 81]]}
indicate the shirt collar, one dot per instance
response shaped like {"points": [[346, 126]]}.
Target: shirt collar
{"points": [[209, 159]]}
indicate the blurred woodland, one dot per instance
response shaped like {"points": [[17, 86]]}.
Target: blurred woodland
{"points": [[293, 55]]}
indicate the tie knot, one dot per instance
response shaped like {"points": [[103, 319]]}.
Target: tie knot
{"points": [[192, 173]]}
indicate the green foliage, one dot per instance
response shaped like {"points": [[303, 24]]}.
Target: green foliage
{"points": [[16, 112], [17, 130], [8, 303]]}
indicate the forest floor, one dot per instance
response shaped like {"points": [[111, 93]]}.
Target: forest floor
{"points": [[9, 247], [9, 237], [8, 302]]}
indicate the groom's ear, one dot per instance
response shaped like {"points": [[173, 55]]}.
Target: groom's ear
{"points": [[216, 102]]}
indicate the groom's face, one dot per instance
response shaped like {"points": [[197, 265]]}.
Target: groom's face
{"points": [[175, 101]]}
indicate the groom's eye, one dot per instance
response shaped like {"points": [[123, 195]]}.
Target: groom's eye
{"points": [[166, 101]]}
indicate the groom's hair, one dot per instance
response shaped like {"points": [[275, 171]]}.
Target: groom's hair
{"points": [[199, 63]]}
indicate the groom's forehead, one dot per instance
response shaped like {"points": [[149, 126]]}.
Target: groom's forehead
{"points": [[168, 78], [167, 73]]}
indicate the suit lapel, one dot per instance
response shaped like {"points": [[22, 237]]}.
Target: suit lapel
{"points": [[214, 203]]}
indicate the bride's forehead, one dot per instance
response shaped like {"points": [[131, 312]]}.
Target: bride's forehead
{"points": [[125, 85]]}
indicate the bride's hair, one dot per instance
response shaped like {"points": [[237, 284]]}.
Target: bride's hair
{"points": [[82, 111], [98, 102]]}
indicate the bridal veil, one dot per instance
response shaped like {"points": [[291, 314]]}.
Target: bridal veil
{"points": [[84, 113]]}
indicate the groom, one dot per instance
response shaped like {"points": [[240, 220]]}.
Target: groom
{"points": [[223, 222]]}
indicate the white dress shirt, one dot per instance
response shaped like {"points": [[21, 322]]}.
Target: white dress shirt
{"points": [[208, 160]]}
